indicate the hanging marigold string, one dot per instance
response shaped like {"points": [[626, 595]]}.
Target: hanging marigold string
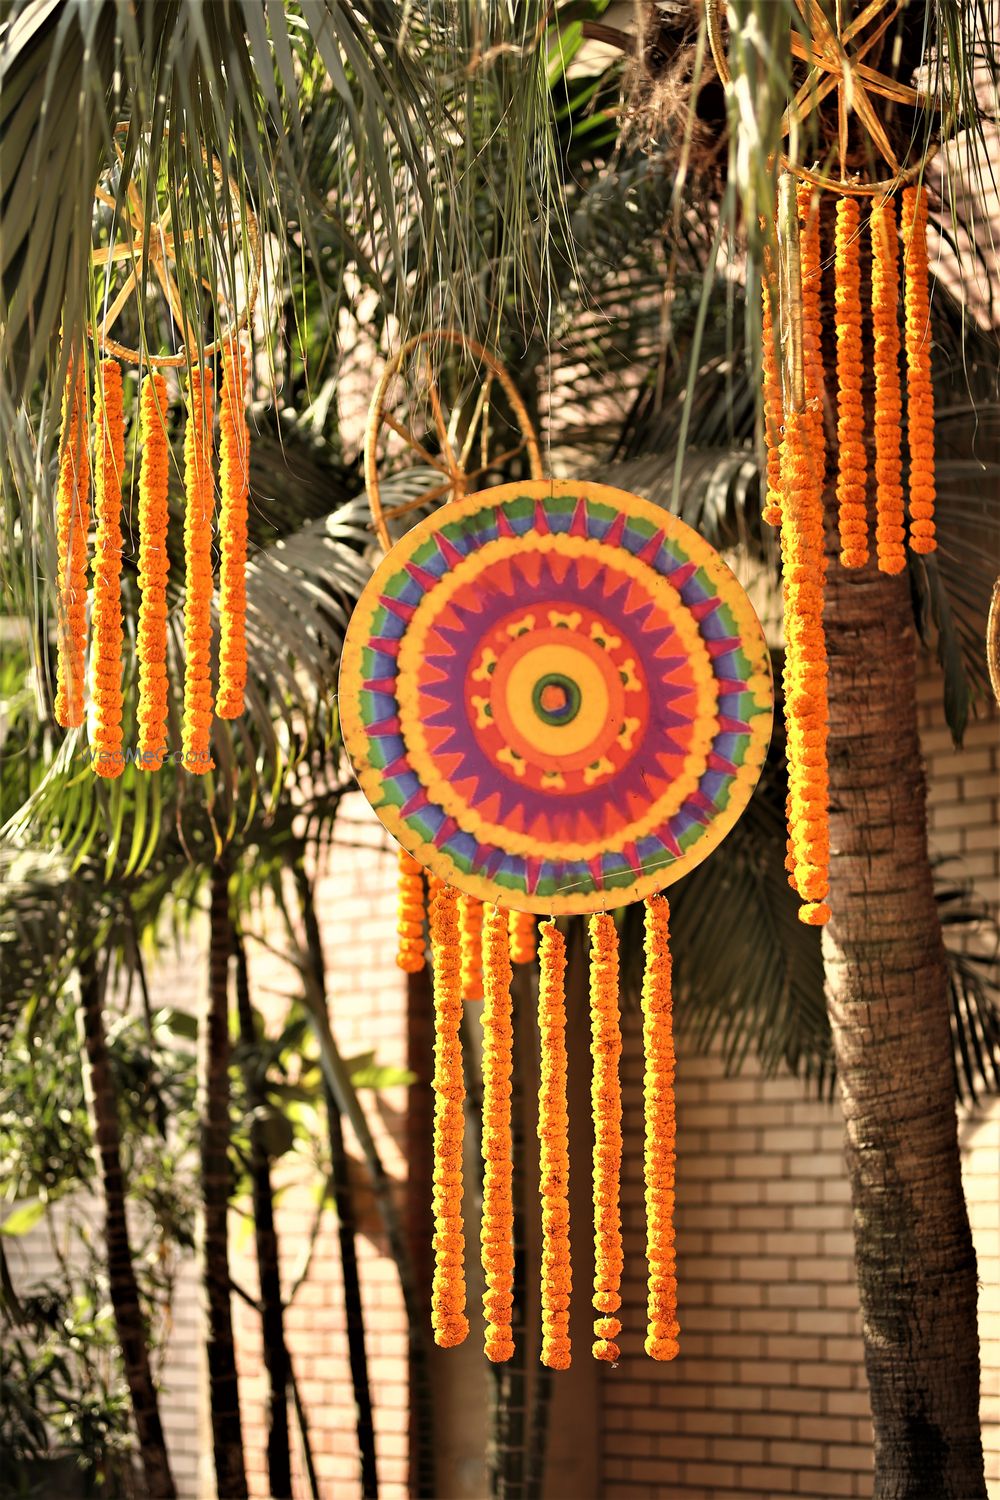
{"points": [[154, 565], [606, 1101], [498, 1206], [410, 955], [106, 659], [812, 327], [661, 1130], [522, 937], [772, 405], [889, 529], [199, 507], [852, 472], [448, 1316], [72, 524], [553, 1136], [470, 916], [234, 478], [919, 386], [805, 674]]}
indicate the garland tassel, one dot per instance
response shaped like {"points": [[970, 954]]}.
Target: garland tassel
{"points": [[919, 386], [606, 1100], [199, 506], [470, 917], [553, 1136], [448, 1317], [72, 524], [852, 474], [154, 565], [661, 1131], [889, 530], [522, 937], [234, 478], [498, 1208], [772, 406], [106, 660], [410, 920]]}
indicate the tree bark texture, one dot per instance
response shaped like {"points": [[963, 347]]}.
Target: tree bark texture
{"points": [[272, 1311], [216, 1185], [888, 1003], [129, 1321]]}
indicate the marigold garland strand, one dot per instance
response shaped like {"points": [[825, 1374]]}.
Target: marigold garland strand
{"points": [[522, 937], [154, 565], [497, 1235], [661, 1131], [448, 1317], [805, 674], [410, 955], [199, 507], [72, 524], [919, 386], [772, 407], [470, 916], [889, 529], [606, 1101], [106, 656], [234, 479], [812, 335], [852, 474], [553, 1136]]}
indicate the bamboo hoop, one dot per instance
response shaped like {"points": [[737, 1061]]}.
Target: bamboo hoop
{"points": [[453, 466], [845, 185], [155, 254]]}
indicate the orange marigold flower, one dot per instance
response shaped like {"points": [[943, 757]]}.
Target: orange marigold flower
{"points": [[72, 525], [919, 385], [852, 473], [470, 916], [234, 477], [889, 530], [497, 1233], [154, 565], [199, 492], [811, 269], [410, 955], [773, 415], [522, 937], [553, 1162], [606, 1104], [661, 1129], [448, 1317], [106, 655]]}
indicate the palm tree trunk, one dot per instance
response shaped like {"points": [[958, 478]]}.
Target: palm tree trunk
{"points": [[888, 1003], [272, 1311], [216, 1185], [347, 1222], [129, 1321]]}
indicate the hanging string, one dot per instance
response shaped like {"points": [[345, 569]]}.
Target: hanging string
{"points": [[199, 507], [448, 1318], [410, 919], [606, 1101], [72, 524], [154, 565], [498, 1205], [661, 1131], [234, 478], [889, 530], [522, 937], [772, 404], [470, 917], [553, 1136], [919, 386], [852, 473], [106, 661]]}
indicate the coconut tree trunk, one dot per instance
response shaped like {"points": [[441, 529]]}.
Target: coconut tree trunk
{"points": [[129, 1321], [216, 1185], [888, 1004], [272, 1311]]}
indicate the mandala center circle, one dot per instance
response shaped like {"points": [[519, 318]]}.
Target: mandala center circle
{"points": [[556, 699]]}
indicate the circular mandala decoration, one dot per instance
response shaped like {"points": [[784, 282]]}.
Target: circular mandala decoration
{"points": [[556, 696]]}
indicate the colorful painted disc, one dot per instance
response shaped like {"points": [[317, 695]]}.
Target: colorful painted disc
{"points": [[556, 696]]}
